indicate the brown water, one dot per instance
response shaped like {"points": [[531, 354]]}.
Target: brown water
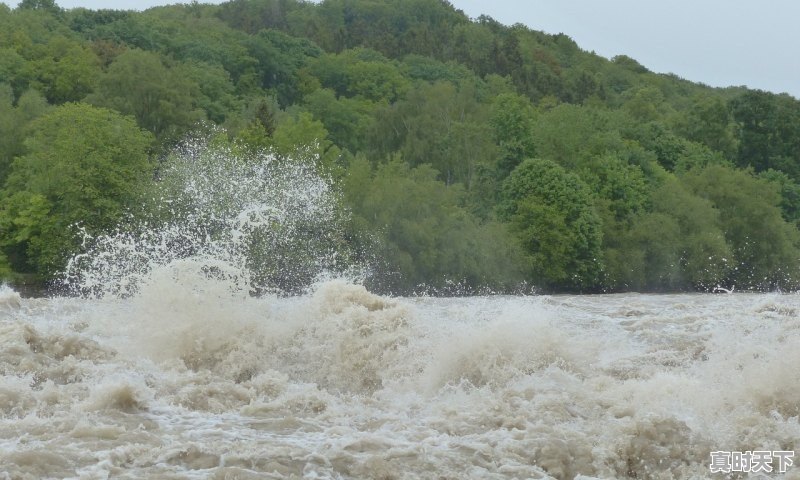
{"points": [[172, 370], [188, 382]]}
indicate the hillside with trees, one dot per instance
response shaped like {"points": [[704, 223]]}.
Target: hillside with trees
{"points": [[467, 152]]}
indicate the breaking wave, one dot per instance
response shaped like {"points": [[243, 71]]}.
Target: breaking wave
{"points": [[254, 221], [168, 365]]}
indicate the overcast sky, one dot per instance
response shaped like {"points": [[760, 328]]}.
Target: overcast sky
{"points": [[717, 42]]}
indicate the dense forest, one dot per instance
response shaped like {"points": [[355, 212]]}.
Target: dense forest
{"points": [[468, 153]]}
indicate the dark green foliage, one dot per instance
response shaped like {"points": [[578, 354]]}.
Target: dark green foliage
{"points": [[393, 28], [790, 194], [768, 131], [441, 125], [678, 244], [424, 234], [765, 247], [253, 15], [44, 5], [162, 99], [280, 57], [14, 121], [468, 151]]}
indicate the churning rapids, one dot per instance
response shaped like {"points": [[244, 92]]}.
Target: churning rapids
{"points": [[166, 366], [345, 384]]}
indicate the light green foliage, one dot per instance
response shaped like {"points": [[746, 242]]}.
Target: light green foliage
{"points": [[550, 211], [764, 245], [418, 67], [217, 92], [620, 186], [696, 156], [302, 136], [5, 268], [13, 69], [569, 134], [65, 70], [347, 119], [83, 164], [296, 135], [38, 51], [473, 44], [645, 104], [673, 152], [512, 122]]}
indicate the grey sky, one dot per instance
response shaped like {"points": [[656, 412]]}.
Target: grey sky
{"points": [[717, 42]]}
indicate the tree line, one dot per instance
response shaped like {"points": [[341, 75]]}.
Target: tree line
{"points": [[469, 153]]}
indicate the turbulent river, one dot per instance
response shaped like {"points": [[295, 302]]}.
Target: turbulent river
{"points": [[173, 355], [180, 382]]}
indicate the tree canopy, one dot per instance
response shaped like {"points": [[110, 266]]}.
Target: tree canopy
{"points": [[81, 167], [467, 152]]}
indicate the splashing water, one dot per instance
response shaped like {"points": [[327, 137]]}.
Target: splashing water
{"points": [[341, 383], [252, 220], [171, 369]]}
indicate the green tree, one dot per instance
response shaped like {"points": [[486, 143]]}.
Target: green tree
{"points": [[709, 122], [764, 246], [790, 194], [347, 119], [5, 268], [161, 99], [280, 59], [622, 188], [216, 90], [512, 123], [768, 128], [44, 5], [645, 104], [678, 244], [550, 210], [302, 136], [437, 124], [361, 72], [424, 235], [66, 70], [82, 167], [14, 120], [571, 134]]}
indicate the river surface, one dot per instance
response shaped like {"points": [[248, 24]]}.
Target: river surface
{"points": [[180, 382]]}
